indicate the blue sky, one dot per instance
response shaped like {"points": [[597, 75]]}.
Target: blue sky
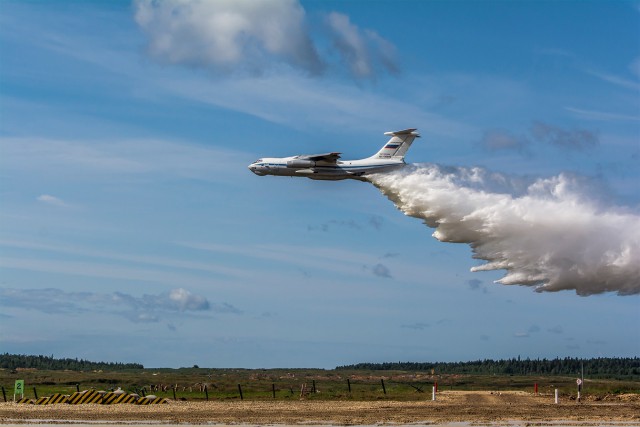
{"points": [[132, 230]]}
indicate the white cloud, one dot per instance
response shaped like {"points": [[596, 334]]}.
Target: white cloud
{"points": [[143, 309], [51, 200], [227, 35], [361, 50], [255, 37], [185, 300]]}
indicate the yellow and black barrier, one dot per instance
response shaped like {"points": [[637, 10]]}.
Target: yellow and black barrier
{"points": [[93, 396], [42, 401], [151, 400], [57, 398], [114, 398], [86, 396]]}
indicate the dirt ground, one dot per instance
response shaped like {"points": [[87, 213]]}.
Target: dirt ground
{"points": [[452, 406]]}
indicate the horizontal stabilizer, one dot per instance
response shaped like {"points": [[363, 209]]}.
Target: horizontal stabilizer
{"points": [[403, 132]]}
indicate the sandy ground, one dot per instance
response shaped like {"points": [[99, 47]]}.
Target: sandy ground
{"points": [[515, 408]]}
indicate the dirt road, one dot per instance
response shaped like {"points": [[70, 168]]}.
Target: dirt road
{"points": [[451, 406]]}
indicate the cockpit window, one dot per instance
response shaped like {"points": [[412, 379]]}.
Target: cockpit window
{"points": [[258, 161]]}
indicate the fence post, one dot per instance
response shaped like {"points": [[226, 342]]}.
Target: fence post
{"points": [[206, 393], [78, 388], [4, 394], [174, 394], [35, 393], [240, 390], [273, 390], [349, 385], [384, 390]]}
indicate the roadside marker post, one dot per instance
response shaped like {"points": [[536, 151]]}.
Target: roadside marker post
{"points": [[556, 396], [18, 389], [433, 393]]}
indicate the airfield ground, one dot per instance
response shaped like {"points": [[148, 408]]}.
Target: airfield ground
{"points": [[474, 407]]}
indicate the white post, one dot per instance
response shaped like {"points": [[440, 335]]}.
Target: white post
{"points": [[556, 395], [433, 393]]}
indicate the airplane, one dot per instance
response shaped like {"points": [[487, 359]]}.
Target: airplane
{"points": [[328, 167]]}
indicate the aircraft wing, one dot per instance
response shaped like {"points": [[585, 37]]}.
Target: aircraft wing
{"points": [[326, 157]]}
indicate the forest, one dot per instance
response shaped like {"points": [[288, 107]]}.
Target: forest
{"points": [[602, 367], [17, 361], [628, 367]]}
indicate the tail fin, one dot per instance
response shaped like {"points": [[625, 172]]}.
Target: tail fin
{"points": [[398, 145]]}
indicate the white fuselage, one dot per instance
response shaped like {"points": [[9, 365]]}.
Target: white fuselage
{"points": [[328, 166], [348, 169]]}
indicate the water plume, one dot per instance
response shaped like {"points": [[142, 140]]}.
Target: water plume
{"points": [[549, 233]]}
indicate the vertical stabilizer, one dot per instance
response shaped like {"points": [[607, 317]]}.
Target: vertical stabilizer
{"points": [[398, 145]]}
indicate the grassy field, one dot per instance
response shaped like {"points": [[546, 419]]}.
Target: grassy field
{"points": [[259, 384]]}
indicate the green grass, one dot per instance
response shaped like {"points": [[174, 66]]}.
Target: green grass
{"points": [[330, 384]]}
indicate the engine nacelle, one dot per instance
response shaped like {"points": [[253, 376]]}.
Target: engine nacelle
{"points": [[296, 164]]}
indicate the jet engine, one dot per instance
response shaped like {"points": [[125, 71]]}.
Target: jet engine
{"points": [[301, 163]]}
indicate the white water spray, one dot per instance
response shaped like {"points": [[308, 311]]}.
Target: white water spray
{"points": [[547, 233]]}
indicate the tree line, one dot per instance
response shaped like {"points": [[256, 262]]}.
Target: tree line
{"points": [[594, 367], [15, 361]]}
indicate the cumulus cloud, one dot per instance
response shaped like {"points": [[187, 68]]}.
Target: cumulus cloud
{"points": [[548, 233], [145, 309], [226, 34], [362, 50], [246, 36], [184, 300]]}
